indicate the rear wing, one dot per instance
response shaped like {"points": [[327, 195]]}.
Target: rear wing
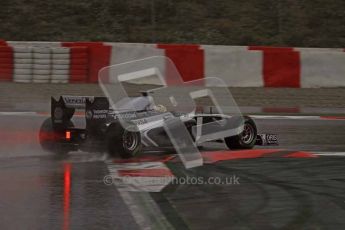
{"points": [[62, 110], [76, 102]]}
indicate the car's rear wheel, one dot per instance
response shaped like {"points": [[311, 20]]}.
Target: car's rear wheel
{"points": [[50, 137], [123, 142], [245, 140]]}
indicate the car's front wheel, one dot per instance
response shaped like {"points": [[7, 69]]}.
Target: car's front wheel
{"points": [[245, 140], [123, 142]]}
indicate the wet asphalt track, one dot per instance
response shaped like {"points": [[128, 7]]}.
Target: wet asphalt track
{"points": [[43, 191]]}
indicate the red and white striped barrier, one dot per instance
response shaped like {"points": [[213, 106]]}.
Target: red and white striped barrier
{"points": [[94, 55], [240, 66], [6, 63], [237, 66]]}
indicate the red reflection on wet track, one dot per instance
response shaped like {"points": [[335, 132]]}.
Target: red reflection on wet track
{"points": [[66, 197], [215, 156], [301, 154], [16, 137], [332, 117], [27, 136]]}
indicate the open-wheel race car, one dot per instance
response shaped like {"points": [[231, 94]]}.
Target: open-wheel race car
{"points": [[103, 131]]}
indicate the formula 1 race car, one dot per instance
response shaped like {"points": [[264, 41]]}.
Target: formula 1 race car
{"points": [[104, 132]]}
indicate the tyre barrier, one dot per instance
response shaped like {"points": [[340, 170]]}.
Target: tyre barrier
{"points": [[22, 71], [60, 65], [37, 64], [22, 64], [64, 72], [60, 61], [42, 61], [22, 78], [23, 61], [53, 62], [60, 50], [42, 64], [45, 65]]}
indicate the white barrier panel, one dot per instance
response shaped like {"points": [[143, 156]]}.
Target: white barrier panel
{"points": [[224, 48], [322, 69], [236, 68], [133, 45], [126, 52], [337, 50]]}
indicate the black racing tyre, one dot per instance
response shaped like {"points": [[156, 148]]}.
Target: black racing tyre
{"points": [[123, 142], [245, 140], [49, 138]]}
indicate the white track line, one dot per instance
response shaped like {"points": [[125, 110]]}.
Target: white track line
{"points": [[292, 117], [340, 154], [144, 209], [18, 114], [284, 117]]}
